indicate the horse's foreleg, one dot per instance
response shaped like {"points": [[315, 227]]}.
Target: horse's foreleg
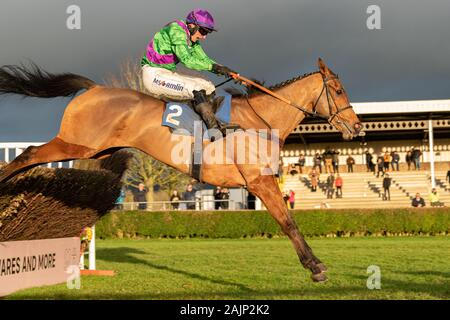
{"points": [[54, 150], [266, 188]]}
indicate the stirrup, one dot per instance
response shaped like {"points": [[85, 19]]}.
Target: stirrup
{"points": [[231, 126]]}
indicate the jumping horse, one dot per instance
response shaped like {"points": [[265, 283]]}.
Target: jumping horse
{"points": [[103, 120]]}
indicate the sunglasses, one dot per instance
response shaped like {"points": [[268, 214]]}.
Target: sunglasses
{"points": [[204, 31]]}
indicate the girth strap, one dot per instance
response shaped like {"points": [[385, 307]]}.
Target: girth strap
{"points": [[197, 152]]}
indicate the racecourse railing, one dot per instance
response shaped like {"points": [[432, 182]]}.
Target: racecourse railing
{"points": [[226, 204], [10, 150]]}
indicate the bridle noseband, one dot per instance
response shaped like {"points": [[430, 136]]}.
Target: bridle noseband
{"points": [[331, 115]]}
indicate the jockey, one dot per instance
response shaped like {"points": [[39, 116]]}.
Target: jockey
{"points": [[179, 41]]}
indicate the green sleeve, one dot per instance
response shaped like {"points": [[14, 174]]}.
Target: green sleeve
{"points": [[190, 59], [198, 51], [194, 57]]}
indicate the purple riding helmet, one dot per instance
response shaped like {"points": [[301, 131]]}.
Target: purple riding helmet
{"points": [[201, 18]]}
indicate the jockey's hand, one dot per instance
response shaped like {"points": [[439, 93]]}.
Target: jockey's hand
{"points": [[225, 71]]}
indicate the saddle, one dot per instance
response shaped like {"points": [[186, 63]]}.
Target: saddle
{"points": [[181, 118]]}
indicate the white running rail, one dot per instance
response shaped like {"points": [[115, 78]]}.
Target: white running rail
{"points": [[10, 150]]}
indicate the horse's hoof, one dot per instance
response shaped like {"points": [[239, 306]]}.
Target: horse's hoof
{"points": [[319, 277], [322, 267]]}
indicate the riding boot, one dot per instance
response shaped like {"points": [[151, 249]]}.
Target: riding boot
{"points": [[215, 101], [204, 109]]}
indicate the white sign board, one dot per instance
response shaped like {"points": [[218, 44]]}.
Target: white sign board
{"points": [[26, 264]]}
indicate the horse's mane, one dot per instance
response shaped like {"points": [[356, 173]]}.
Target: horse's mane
{"points": [[255, 91]]}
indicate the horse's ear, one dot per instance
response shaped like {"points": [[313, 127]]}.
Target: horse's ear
{"points": [[323, 67]]}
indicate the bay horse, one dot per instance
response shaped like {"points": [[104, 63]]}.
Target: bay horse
{"points": [[102, 120]]}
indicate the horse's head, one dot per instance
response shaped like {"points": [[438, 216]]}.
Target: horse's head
{"points": [[333, 104]]}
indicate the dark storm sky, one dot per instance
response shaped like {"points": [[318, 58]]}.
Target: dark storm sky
{"points": [[408, 59]]}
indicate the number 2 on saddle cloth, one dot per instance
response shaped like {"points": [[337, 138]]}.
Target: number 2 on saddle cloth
{"points": [[179, 115]]}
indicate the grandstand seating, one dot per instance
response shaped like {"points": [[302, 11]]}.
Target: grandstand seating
{"points": [[363, 189]]}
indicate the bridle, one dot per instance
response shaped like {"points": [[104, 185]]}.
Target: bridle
{"points": [[331, 115]]}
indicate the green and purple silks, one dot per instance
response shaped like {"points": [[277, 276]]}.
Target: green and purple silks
{"points": [[171, 45]]}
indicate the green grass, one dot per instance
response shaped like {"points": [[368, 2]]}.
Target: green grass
{"points": [[411, 268]]}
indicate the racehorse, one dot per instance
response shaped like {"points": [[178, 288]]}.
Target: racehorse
{"points": [[102, 120]]}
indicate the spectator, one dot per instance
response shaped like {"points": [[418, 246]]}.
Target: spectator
{"points": [[418, 202], [408, 159], [120, 200], [85, 239], [293, 169], [285, 198], [314, 176], [140, 196], [301, 162], [448, 176], [251, 201], [416, 153], [335, 160], [338, 183], [380, 166], [318, 162], [280, 168], [330, 186], [225, 196], [387, 161], [373, 165], [434, 199], [350, 163], [386, 185], [369, 161], [189, 197], [174, 200], [291, 198], [328, 157], [217, 197], [395, 160]]}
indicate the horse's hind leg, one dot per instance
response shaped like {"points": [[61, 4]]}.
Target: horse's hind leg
{"points": [[54, 150], [266, 188]]}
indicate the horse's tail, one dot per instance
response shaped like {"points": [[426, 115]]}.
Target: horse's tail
{"points": [[34, 82]]}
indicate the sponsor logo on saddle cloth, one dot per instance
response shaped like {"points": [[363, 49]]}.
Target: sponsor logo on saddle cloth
{"points": [[178, 115], [169, 84]]}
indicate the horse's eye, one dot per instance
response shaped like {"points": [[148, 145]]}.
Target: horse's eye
{"points": [[339, 91]]}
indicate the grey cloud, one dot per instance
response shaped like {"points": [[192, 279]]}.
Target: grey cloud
{"points": [[269, 40]]}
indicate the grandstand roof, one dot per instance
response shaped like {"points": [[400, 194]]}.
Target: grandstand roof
{"points": [[393, 107]]}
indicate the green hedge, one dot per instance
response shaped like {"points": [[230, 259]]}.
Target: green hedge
{"points": [[238, 224]]}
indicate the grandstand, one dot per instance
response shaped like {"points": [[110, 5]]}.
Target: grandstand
{"points": [[390, 126], [363, 189]]}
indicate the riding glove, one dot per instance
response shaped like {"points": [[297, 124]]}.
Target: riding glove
{"points": [[222, 70]]}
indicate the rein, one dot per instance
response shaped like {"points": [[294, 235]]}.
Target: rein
{"points": [[312, 113]]}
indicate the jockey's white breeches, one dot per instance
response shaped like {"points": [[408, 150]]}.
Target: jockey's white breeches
{"points": [[163, 83]]}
